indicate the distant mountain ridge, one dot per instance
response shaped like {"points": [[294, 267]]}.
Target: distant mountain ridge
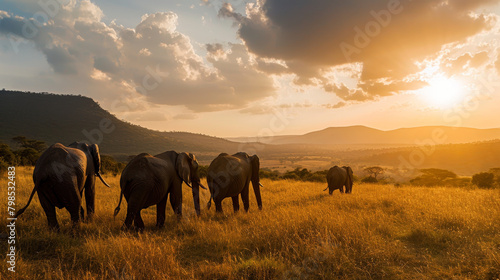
{"points": [[359, 135], [67, 118]]}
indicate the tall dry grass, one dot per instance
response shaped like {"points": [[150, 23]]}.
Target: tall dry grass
{"points": [[377, 232]]}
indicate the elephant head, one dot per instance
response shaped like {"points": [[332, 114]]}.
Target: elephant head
{"points": [[255, 162], [93, 158], [349, 179], [187, 169]]}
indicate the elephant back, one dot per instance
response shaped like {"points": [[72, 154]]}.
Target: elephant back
{"points": [[56, 161], [336, 174], [142, 168]]}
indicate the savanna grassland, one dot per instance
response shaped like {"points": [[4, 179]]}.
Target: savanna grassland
{"points": [[377, 232]]}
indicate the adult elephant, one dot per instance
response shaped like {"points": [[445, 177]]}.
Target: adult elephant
{"points": [[338, 177], [230, 176], [148, 180], [61, 175]]}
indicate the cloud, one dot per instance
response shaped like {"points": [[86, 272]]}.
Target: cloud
{"points": [[263, 109], [335, 106], [454, 66], [152, 60], [185, 117], [386, 37], [147, 117]]}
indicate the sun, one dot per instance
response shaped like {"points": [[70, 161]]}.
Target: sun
{"points": [[443, 92]]}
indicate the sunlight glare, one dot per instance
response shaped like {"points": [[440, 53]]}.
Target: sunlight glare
{"points": [[443, 92]]}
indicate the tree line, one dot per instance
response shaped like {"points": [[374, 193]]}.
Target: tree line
{"points": [[27, 151]]}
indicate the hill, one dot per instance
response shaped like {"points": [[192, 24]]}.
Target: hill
{"points": [[362, 135], [68, 118], [463, 159]]}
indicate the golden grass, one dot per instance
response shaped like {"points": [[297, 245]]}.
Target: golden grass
{"points": [[377, 232]]}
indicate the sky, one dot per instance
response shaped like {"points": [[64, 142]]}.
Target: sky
{"points": [[265, 67]]}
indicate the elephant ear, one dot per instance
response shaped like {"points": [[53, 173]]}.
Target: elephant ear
{"points": [[183, 167], [255, 161], [96, 157], [349, 174], [194, 163]]}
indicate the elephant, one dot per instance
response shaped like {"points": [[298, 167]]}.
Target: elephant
{"points": [[148, 180], [230, 176], [61, 175], [338, 177]]}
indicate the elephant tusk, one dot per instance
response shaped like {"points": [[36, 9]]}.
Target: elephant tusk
{"points": [[261, 185], [102, 180], [203, 187], [325, 189], [188, 184]]}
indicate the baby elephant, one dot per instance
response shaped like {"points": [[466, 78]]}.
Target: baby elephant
{"points": [[148, 180], [338, 177]]}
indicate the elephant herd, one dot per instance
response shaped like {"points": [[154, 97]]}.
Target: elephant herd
{"points": [[62, 174]]}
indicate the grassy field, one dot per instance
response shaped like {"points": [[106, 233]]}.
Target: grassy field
{"points": [[377, 232]]}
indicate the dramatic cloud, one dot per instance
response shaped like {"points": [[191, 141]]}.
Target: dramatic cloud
{"points": [[386, 37], [465, 61], [153, 60]]}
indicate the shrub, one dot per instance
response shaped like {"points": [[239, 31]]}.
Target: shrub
{"points": [[27, 156], [458, 182], [433, 177], [483, 180], [110, 166], [7, 155], [3, 166], [291, 176], [269, 174], [369, 180]]}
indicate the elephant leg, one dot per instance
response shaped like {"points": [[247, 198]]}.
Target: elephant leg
{"points": [[342, 189], [90, 196], [75, 213], [82, 213], [160, 212], [50, 212], [245, 198], [176, 200], [138, 222], [256, 190], [236, 204], [130, 217], [218, 205]]}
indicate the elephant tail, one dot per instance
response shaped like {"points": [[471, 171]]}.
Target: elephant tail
{"points": [[18, 213], [117, 209]]}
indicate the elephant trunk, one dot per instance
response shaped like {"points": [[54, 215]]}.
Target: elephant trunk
{"points": [[256, 189], [210, 187], [102, 180], [196, 197]]}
